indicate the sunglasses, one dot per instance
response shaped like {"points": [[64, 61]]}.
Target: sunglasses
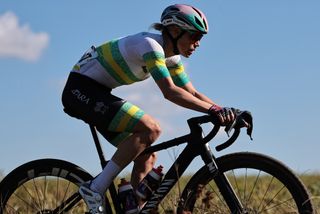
{"points": [[195, 36]]}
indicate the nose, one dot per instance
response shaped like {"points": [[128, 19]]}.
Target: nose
{"points": [[197, 44]]}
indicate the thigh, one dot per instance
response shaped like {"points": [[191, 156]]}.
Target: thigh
{"points": [[127, 120], [144, 123], [90, 101], [115, 118]]}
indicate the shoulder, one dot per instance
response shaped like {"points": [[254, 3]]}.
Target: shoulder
{"points": [[147, 42], [152, 41], [173, 60]]}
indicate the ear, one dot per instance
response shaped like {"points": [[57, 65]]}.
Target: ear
{"points": [[174, 30]]}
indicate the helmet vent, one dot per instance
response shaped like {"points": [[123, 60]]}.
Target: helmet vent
{"points": [[197, 11], [198, 22], [205, 25], [181, 19], [174, 9]]}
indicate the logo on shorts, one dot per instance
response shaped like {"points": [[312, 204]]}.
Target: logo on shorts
{"points": [[100, 107], [81, 97]]}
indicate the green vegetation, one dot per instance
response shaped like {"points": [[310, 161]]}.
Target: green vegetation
{"points": [[205, 198], [169, 205], [312, 182]]}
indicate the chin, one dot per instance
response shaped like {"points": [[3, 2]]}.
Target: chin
{"points": [[186, 55]]}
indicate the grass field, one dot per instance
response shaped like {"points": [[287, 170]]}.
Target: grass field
{"points": [[312, 182]]}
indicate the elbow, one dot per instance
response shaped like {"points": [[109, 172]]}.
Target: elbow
{"points": [[171, 93], [167, 96]]}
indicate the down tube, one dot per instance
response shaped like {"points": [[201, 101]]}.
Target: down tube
{"points": [[171, 177], [221, 180]]}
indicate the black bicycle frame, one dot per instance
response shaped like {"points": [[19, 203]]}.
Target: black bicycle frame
{"points": [[196, 145]]}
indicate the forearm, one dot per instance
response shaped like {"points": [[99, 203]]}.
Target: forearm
{"points": [[203, 98], [185, 99], [189, 88]]}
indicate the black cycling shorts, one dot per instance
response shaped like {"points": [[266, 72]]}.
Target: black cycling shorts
{"points": [[88, 100]]}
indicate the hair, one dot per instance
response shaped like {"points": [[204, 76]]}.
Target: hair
{"points": [[157, 26]]}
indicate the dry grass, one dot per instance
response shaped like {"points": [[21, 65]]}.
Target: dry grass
{"points": [[169, 205], [312, 182]]}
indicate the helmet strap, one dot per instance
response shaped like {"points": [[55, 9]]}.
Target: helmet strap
{"points": [[175, 40]]}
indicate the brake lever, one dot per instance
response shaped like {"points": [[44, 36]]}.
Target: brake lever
{"points": [[243, 119], [229, 128]]}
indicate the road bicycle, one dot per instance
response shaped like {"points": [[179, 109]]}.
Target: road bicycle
{"points": [[242, 182]]}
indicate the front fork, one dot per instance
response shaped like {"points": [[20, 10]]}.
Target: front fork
{"points": [[222, 182]]}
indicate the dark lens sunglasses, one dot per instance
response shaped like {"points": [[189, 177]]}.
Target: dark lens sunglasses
{"points": [[195, 36]]}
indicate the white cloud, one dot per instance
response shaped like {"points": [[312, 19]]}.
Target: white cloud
{"points": [[19, 41]]}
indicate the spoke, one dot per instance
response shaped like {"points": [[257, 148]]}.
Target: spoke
{"points": [[57, 192], [218, 195], [236, 183], [65, 193], [37, 194], [68, 204], [254, 185], [265, 193], [281, 203], [45, 190], [34, 205], [245, 188]]}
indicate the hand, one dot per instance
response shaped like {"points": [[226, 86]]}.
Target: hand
{"points": [[224, 114]]}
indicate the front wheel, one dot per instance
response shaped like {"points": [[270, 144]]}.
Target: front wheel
{"points": [[43, 186], [262, 184]]}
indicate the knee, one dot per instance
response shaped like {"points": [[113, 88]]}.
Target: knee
{"points": [[154, 131], [146, 162]]}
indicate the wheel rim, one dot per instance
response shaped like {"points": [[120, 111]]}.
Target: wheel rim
{"points": [[43, 195], [259, 192]]}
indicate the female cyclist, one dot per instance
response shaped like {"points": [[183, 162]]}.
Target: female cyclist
{"points": [[87, 94]]}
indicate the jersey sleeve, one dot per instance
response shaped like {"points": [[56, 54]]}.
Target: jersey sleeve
{"points": [[155, 63], [153, 56], [177, 72], [160, 67]]}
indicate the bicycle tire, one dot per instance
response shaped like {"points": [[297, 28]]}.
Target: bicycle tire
{"points": [[39, 186], [274, 189]]}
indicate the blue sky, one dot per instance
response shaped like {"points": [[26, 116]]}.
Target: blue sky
{"points": [[262, 56]]}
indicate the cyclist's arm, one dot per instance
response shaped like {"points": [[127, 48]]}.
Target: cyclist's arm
{"points": [[189, 88], [181, 79], [172, 90], [182, 97]]}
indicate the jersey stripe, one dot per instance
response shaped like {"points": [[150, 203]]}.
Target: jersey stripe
{"points": [[179, 77], [124, 122], [176, 69], [126, 118], [122, 62], [111, 58], [156, 65], [120, 138]]}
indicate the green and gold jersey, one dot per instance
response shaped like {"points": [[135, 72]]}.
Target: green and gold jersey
{"points": [[131, 59]]}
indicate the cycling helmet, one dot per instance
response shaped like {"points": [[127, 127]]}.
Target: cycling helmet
{"points": [[186, 17]]}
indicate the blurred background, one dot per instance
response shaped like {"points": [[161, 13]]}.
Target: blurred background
{"points": [[261, 56]]}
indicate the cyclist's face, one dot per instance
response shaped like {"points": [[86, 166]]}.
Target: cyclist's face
{"points": [[188, 43]]}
